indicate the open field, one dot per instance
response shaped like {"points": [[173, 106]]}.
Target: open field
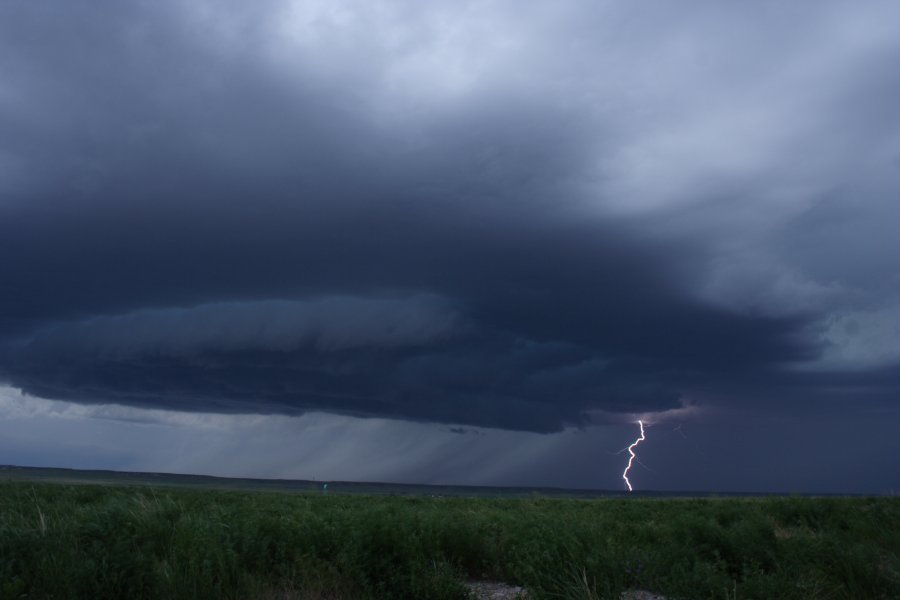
{"points": [[59, 540], [207, 482]]}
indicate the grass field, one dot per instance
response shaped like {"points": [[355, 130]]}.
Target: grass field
{"points": [[92, 541]]}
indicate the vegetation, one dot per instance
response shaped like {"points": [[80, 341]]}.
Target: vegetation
{"points": [[86, 541]]}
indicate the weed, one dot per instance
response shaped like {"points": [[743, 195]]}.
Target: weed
{"points": [[69, 542]]}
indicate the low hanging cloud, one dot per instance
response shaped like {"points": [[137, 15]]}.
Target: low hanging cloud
{"points": [[490, 216], [416, 357], [323, 324]]}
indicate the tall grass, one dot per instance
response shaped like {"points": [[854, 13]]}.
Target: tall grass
{"points": [[60, 541]]}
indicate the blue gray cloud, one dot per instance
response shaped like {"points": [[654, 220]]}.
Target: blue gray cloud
{"points": [[477, 213]]}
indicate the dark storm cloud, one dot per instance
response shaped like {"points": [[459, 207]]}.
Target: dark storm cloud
{"points": [[242, 210]]}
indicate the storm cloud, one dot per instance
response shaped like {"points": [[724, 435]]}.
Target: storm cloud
{"points": [[477, 214]]}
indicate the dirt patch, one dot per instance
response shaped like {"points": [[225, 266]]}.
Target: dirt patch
{"points": [[641, 595], [494, 590]]}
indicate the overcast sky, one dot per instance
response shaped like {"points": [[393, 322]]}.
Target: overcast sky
{"points": [[454, 242]]}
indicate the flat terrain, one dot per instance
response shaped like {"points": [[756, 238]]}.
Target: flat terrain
{"points": [[192, 540], [206, 482]]}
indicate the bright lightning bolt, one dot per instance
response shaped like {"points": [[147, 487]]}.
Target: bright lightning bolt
{"points": [[633, 455]]}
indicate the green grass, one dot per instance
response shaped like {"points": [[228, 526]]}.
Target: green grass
{"points": [[70, 541]]}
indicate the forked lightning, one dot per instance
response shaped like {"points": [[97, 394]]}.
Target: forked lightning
{"points": [[633, 456]]}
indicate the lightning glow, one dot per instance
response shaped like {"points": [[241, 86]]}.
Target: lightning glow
{"points": [[633, 456]]}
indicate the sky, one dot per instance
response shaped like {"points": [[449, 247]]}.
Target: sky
{"points": [[454, 242]]}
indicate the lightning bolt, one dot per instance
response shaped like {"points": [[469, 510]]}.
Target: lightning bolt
{"points": [[633, 456]]}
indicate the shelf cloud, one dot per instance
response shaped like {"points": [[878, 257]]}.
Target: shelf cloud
{"points": [[480, 214]]}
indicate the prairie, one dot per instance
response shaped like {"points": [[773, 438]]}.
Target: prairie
{"points": [[62, 540]]}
